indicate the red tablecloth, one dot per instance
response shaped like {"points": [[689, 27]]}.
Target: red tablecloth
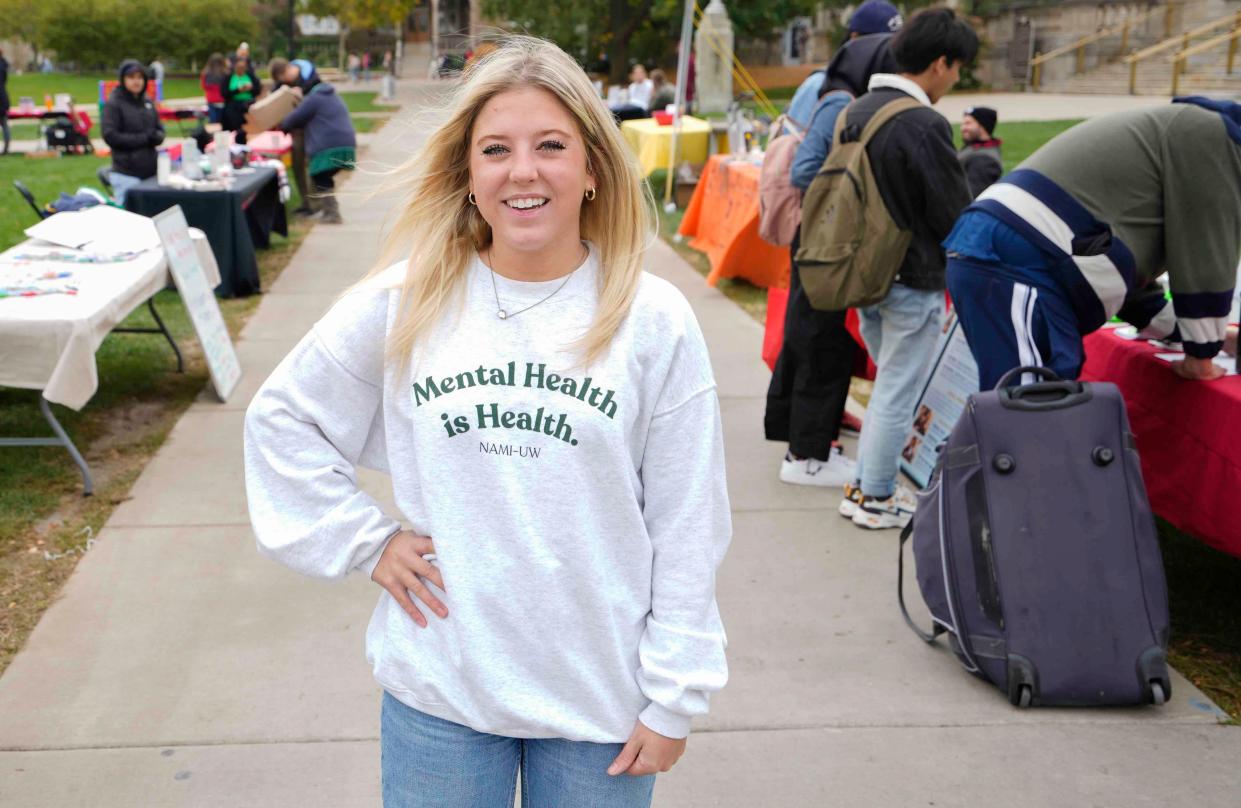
{"points": [[723, 219], [1188, 435]]}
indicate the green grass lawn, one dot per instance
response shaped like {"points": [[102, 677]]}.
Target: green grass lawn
{"points": [[367, 124], [46, 178], [84, 88], [359, 101]]}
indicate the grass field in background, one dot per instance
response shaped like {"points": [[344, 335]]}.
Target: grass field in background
{"points": [[83, 88]]}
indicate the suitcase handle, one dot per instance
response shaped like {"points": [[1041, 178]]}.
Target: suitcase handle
{"points": [[1046, 395]]}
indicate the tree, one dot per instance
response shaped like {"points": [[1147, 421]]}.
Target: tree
{"points": [[100, 33], [24, 20], [645, 29]]}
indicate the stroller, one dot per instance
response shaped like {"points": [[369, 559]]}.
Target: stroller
{"points": [[71, 135]]}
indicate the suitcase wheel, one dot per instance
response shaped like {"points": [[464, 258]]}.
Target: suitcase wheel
{"points": [[1157, 694], [1025, 697]]}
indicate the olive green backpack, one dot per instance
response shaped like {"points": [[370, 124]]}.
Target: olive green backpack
{"points": [[850, 248]]}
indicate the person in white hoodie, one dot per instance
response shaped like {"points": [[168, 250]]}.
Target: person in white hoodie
{"points": [[549, 418]]}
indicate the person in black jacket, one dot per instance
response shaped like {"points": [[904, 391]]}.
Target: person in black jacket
{"points": [[132, 129], [980, 157], [923, 187]]}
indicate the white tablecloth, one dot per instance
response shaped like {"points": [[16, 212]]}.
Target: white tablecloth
{"points": [[48, 342]]}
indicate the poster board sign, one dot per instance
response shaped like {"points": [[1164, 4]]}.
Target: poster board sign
{"points": [[954, 376], [199, 301]]}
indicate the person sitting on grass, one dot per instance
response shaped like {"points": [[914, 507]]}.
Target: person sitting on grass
{"points": [[132, 129], [331, 144]]}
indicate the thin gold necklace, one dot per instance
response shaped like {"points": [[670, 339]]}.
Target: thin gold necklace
{"points": [[500, 311]]}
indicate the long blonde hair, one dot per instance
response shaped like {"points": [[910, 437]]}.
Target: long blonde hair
{"points": [[437, 231]]}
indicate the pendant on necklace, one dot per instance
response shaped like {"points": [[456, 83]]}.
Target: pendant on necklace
{"points": [[502, 314]]}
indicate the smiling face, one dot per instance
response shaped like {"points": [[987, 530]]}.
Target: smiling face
{"points": [[971, 130], [528, 172]]}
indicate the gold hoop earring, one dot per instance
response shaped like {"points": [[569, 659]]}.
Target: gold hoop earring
{"points": [[473, 199], [590, 194]]}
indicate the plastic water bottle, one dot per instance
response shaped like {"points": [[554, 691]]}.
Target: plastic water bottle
{"points": [[163, 167]]}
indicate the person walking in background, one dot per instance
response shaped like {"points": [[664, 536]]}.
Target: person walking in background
{"points": [[132, 129], [157, 71], [923, 188], [366, 65], [980, 156], [355, 65], [330, 140], [1080, 231], [389, 67], [810, 383], [239, 93], [212, 80], [4, 101], [521, 317]]}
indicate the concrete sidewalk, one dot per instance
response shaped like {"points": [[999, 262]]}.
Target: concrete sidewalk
{"points": [[180, 668]]}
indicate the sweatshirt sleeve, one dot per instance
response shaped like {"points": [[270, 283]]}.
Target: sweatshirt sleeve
{"points": [[1202, 228], [305, 432], [686, 510], [817, 142], [301, 114]]}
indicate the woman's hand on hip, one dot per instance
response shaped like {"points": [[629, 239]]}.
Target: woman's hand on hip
{"points": [[647, 752], [402, 570]]}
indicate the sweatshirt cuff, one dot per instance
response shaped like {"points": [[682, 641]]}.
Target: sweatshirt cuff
{"points": [[368, 565], [664, 721]]}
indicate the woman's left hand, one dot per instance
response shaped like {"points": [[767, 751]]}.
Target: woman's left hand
{"points": [[647, 752]]}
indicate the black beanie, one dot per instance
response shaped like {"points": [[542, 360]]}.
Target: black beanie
{"points": [[986, 117]]}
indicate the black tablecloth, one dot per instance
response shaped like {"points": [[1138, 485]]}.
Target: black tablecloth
{"points": [[235, 221]]}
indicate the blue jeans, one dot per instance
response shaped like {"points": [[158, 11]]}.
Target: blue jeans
{"points": [[900, 333], [120, 184], [428, 762]]}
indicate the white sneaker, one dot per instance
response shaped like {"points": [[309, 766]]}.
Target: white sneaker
{"points": [[853, 497], [837, 471], [878, 514]]}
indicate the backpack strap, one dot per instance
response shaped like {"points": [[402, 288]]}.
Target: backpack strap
{"points": [[885, 113]]}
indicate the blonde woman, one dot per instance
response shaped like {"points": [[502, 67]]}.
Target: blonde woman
{"points": [[549, 419]]}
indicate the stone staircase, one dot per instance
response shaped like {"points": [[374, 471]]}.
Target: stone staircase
{"points": [[1205, 73]]}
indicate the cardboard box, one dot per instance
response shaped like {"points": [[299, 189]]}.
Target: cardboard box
{"points": [[270, 110]]}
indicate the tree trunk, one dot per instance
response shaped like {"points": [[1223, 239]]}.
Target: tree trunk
{"points": [[625, 19], [340, 48]]}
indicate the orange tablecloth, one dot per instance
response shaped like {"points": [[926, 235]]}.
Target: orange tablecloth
{"points": [[722, 218]]}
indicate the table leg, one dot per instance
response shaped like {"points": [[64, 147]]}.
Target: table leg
{"points": [[61, 439], [161, 330]]}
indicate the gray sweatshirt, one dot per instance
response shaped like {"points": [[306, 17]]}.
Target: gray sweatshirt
{"points": [[1168, 182], [578, 514]]}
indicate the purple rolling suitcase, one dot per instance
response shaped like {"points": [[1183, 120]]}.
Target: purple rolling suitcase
{"points": [[1036, 549]]}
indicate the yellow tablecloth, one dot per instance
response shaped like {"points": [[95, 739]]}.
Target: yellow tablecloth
{"points": [[651, 142]]}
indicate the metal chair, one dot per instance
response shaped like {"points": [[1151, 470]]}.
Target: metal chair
{"points": [[29, 197]]}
